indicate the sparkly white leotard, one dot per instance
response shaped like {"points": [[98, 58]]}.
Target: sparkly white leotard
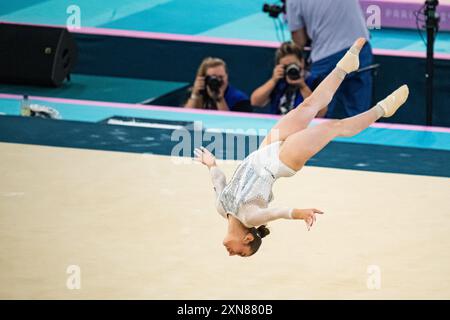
{"points": [[249, 191]]}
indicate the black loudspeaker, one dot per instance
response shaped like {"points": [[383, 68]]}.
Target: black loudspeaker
{"points": [[36, 55]]}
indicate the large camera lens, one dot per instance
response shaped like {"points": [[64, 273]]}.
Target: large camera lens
{"points": [[293, 71], [214, 83]]}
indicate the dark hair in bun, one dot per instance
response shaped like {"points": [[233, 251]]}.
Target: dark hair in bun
{"points": [[263, 231], [258, 234]]}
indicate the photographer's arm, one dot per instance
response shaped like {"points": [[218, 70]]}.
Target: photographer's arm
{"points": [[261, 96], [194, 102], [300, 37]]}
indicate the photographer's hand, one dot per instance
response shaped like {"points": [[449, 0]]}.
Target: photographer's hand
{"points": [[199, 85], [196, 99], [300, 83], [222, 90], [222, 104], [219, 97], [278, 73]]}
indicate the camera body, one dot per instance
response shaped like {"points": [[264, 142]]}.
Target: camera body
{"points": [[213, 83], [275, 10], [293, 71]]}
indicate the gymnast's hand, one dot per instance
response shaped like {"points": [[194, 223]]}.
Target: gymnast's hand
{"points": [[203, 155], [309, 215]]}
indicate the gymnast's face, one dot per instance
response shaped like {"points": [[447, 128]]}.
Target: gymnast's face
{"points": [[238, 245]]}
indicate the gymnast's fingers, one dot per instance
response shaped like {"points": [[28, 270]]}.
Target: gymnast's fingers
{"points": [[314, 218], [198, 154], [205, 150], [198, 158], [309, 223]]}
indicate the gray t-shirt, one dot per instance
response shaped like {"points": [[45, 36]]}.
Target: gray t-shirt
{"points": [[332, 25]]}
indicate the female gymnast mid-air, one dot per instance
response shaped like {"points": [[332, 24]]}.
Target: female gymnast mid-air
{"points": [[244, 200]]}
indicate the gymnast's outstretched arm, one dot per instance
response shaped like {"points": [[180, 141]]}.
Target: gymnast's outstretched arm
{"points": [[260, 217], [217, 176], [218, 179]]}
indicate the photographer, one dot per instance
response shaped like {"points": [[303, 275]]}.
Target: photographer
{"points": [[211, 89], [287, 87], [332, 27]]}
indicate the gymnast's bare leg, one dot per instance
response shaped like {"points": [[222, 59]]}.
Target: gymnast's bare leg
{"points": [[301, 146], [299, 118]]}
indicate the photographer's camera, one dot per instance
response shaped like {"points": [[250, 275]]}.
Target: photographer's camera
{"points": [[293, 71], [214, 83], [275, 10]]}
